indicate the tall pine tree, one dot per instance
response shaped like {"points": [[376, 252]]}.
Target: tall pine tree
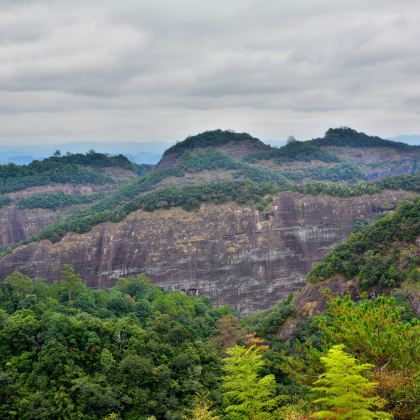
{"points": [[346, 394], [247, 395]]}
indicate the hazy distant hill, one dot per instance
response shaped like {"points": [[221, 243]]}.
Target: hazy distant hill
{"points": [[413, 139], [138, 152]]}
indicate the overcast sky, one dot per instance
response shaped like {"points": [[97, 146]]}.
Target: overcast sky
{"points": [[161, 70]]}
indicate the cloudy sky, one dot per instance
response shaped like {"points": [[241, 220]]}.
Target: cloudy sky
{"points": [[161, 70]]}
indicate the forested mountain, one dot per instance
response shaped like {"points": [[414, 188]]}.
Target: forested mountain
{"points": [[222, 219], [136, 351], [221, 208], [71, 168]]}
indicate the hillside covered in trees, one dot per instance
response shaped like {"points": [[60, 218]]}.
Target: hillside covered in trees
{"points": [[136, 351], [71, 168], [383, 254]]}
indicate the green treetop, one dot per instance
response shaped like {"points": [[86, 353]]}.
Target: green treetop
{"points": [[247, 395], [346, 394]]}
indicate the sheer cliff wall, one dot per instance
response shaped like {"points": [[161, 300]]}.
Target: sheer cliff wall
{"points": [[232, 254]]}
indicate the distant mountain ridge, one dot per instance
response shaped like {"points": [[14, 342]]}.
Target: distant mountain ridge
{"points": [[413, 139], [263, 205], [139, 152], [347, 137], [341, 150]]}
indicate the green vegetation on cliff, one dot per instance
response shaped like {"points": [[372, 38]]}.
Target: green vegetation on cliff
{"points": [[14, 178], [296, 151], [4, 201], [214, 159], [189, 198], [379, 255], [344, 172], [55, 200], [341, 189], [134, 195]]}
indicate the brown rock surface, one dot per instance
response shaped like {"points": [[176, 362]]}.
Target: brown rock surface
{"points": [[17, 224], [312, 299], [232, 254]]}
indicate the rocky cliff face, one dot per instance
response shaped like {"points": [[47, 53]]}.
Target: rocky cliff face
{"points": [[379, 162], [18, 224], [234, 255]]}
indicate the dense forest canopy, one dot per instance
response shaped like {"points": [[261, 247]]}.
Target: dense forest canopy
{"points": [[71, 168], [135, 351], [67, 351]]}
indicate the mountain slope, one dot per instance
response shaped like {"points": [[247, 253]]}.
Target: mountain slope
{"points": [[377, 258], [233, 254], [29, 193], [236, 145], [273, 213], [373, 156]]}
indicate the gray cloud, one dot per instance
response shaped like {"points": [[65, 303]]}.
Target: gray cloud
{"points": [[142, 70]]}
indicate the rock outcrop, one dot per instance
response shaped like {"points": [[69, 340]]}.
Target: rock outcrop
{"points": [[235, 255], [18, 224], [312, 300]]}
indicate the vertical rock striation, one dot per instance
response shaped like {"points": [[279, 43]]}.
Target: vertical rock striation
{"points": [[233, 254]]}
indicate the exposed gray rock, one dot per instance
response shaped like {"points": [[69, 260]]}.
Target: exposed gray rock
{"points": [[233, 254]]}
